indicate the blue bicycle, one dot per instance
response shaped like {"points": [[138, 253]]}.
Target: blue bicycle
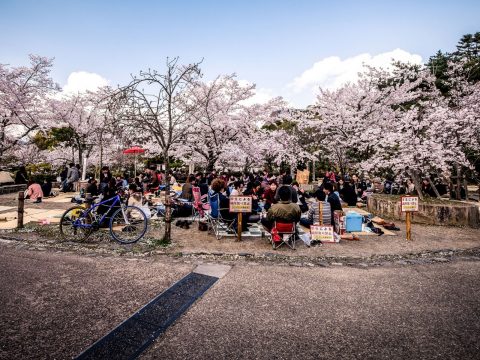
{"points": [[127, 224]]}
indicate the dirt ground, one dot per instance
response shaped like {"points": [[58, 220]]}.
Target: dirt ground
{"points": [[193, 241]]}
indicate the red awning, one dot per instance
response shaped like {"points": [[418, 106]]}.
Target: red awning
{"points": [[134, 150]]}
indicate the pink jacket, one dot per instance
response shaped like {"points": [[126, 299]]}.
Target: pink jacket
{"points": [[35, 191]]}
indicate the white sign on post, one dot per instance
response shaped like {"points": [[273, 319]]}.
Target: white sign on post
{"points": [[324, 233], [241, 204], [409, 203]]}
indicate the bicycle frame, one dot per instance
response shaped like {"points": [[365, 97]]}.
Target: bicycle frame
{"points": [[114, 201]]}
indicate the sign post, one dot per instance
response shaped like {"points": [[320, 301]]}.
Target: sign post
{"points": [[240, 205], [323, 233], [409, 204]]}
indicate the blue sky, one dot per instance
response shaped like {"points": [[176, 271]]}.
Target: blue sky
{"points": [[274, 44]]}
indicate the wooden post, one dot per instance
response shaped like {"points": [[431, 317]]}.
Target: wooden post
{"points": [[239, 227], [408, 220], [21, 204], [320, 212]]}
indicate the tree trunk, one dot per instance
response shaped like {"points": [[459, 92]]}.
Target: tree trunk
{"points": [[437, 194], [100, 164], [168, 207], [210, 165], [458, 191], [416, 182], [80, 156], [465, 185]]}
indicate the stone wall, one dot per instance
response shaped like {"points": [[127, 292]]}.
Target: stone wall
{"points": [[8, 189], [437, 212]]}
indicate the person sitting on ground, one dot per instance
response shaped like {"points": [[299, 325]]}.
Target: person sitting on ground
{"points": [[34, 192], [138, 183], [47, 188], [359, 185], [377, 185], [121, 182], [348, 194], [336, 190], [287, 181], [171, 178], [21, 176], [427, 188], [108, 192], [269, 195], [302, 196], [332, 199], [231, 181], [92, 187], [218, 189], [237, 188], [284, 211], [313, 215], [410, 187], [73, 176], [187, 192], [253, 189], [63, 174], [105, 178], [202, 184], [152, 184]]}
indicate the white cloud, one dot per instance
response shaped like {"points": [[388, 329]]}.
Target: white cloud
{"points": [[262, 96], [333, 72], [81, 81]]}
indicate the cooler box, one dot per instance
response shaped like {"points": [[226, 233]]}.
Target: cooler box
{"points": [[353, 222]]}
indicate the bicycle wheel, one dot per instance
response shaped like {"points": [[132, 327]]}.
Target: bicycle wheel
{"points": [[128, 225], [72, 224]]}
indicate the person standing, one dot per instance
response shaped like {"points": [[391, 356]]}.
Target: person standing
{"points": [[21, 176]]}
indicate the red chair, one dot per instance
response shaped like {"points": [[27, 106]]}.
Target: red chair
{"points": [[198, 207], [283, 234]]}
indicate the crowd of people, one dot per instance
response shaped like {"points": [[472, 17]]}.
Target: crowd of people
{"points": [[265, 188]]}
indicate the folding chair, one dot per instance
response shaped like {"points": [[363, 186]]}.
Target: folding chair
{"points": [[216, 223], [283, 234], [199, 208]]}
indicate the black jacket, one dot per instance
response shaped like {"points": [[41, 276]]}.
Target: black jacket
{"points": [[334, 202]]}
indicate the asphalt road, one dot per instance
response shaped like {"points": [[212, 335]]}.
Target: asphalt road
{"points": [[56, 304], [272, 312]]}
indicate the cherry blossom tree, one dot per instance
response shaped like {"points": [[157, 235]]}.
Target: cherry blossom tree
{"points": [[24, 95], [463, 126], [154, 107], [388, 120], [225, 123], [82, 123]]}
